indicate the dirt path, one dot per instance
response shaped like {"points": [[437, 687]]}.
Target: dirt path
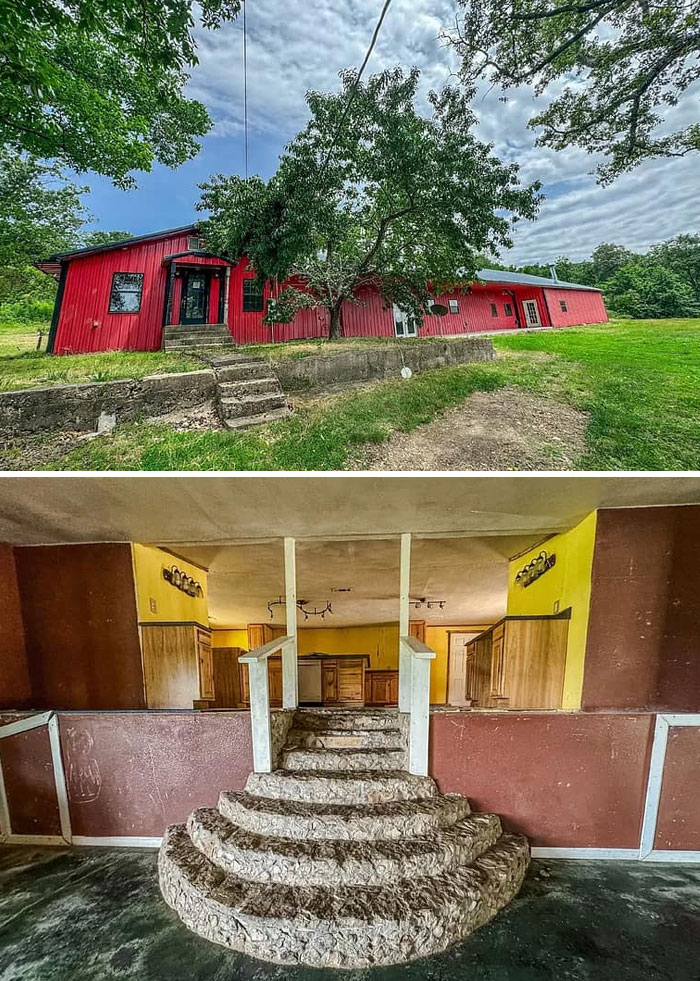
{"points": [[508, 429]]}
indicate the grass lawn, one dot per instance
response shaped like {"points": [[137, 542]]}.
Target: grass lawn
{"points": [[22, 366], [639, 380]]}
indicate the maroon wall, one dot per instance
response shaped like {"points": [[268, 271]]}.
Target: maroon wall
{"points": [[29, 783], [134, 773], [81, 629], [15, 690], [643, 642], [564, 780], [678, 824]]}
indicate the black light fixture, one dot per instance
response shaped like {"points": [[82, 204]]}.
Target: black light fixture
{"points": [[180, 580], [303, 605], [430, 604]]}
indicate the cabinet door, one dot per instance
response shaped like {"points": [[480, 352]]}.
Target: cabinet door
{"points": [[393, 698], [244, 680], [351, 681], [256, 636], [416, 628], [330, 682], [274, 674], [205, 664], [498, 664]]}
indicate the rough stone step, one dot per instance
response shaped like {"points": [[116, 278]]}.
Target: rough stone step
{"points": [[198, 345], [345, 739], [345, 719], [391, 821], [241, 371], [262, 419], [262, 858], [179, 330], [251, 405], [344, 760], [343, 927], [249, 386], [341, 788]]}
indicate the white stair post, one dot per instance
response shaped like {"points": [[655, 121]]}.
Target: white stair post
{"points": [[404, 656], [259, 689], [290, 682], [420, 717]]}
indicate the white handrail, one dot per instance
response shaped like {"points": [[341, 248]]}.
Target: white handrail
{"points": [[259, 689], [418, 655]]}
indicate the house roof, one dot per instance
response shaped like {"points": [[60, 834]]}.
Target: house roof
{"points": [[89, 250], [523, 279]]}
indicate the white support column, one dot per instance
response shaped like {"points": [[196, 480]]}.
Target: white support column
{"points": [[420, 716], [404, 657], [290, 684], [260, 715]]}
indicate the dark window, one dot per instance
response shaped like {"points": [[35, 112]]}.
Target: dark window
{"points": [[253, 296], [494, 310], [564, 308], [454, 306], [509, 310], [125, 296]]}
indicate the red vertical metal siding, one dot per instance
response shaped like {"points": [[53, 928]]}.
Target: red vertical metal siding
{"points": [[583, 307]]}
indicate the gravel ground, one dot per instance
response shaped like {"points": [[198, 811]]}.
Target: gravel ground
{"points": [[508, 429]]}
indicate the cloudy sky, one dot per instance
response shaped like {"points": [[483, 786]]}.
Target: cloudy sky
{"points": [[294, 45]]}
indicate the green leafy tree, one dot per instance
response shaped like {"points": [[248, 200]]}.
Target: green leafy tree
{"points": [[371, 192], [682, 256], [643, 290], [607, 259], [40, 212], [98, 237], [98, 84], [624, 62]]}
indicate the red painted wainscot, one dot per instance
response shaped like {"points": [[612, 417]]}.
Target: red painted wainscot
{"points": [[121, 296]]}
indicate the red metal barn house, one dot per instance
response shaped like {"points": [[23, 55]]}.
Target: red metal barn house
{"points": [[123, 295]]}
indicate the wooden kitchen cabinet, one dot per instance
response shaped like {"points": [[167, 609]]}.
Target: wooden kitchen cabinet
{"points": [[519, 663], [381, 688], [177, 664], [274, 682]]}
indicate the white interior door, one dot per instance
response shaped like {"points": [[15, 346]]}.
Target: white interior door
{"points": [[532, 314], [457, 676]]}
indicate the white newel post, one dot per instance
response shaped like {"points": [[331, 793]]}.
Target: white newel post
{"points": [[260, 715], [404, 656], [290, 680], [420, 716]]}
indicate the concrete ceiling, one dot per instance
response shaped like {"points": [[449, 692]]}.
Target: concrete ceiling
{"points": [[468, 574], [228, 509]]}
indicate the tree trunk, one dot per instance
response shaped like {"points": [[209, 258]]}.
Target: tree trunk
{"points": [[336, 322]]}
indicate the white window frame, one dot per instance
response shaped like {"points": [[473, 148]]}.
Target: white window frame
{"points": [[453, 304], [401, 317], [49, 719]]}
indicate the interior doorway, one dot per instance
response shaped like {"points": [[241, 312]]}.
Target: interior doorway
{"points": [[457, 667]]}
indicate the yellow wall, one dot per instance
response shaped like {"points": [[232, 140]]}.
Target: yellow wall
{"points": [[569, 584], [171, 604], [230, 638]]}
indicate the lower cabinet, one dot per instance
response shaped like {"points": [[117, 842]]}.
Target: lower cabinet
{"points": [[382, 688], [177, 665]]}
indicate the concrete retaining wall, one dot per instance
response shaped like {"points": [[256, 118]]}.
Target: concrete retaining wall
{"points": [[76, 408], [365, 364]]}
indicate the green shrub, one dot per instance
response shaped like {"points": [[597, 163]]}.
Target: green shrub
{"points": [[19, 282], [26, 310]]}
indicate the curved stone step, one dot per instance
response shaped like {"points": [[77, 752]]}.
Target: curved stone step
{"points": [[390, 821], [345, 738], [261, 858], [342, 760], [343, 927], [361, 787], [338, 719]]}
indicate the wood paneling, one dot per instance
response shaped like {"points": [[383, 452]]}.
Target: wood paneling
{"points": [[177, 665], [15, 687], [81, 629], [227, 684]]}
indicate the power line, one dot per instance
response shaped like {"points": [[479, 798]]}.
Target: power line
{"points": [[245, 91], [353, 92]]}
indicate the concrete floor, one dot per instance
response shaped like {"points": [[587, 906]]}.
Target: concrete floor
{"points": [[89, 914]]}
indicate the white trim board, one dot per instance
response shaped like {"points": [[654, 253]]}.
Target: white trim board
{"points": [[117, 841], [614, 854]]}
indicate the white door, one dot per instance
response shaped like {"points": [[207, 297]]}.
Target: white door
{"points": [[532, 314], [457, 676], [404, 325]]}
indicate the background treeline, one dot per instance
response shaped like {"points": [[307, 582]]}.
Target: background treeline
{"points": [[663, 282]]}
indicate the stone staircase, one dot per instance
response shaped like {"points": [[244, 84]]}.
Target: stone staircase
{"points": [[340, 858], [248, 392], [182, 338]]}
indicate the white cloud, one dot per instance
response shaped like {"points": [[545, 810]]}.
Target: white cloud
{"points": [[295, 46]]}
